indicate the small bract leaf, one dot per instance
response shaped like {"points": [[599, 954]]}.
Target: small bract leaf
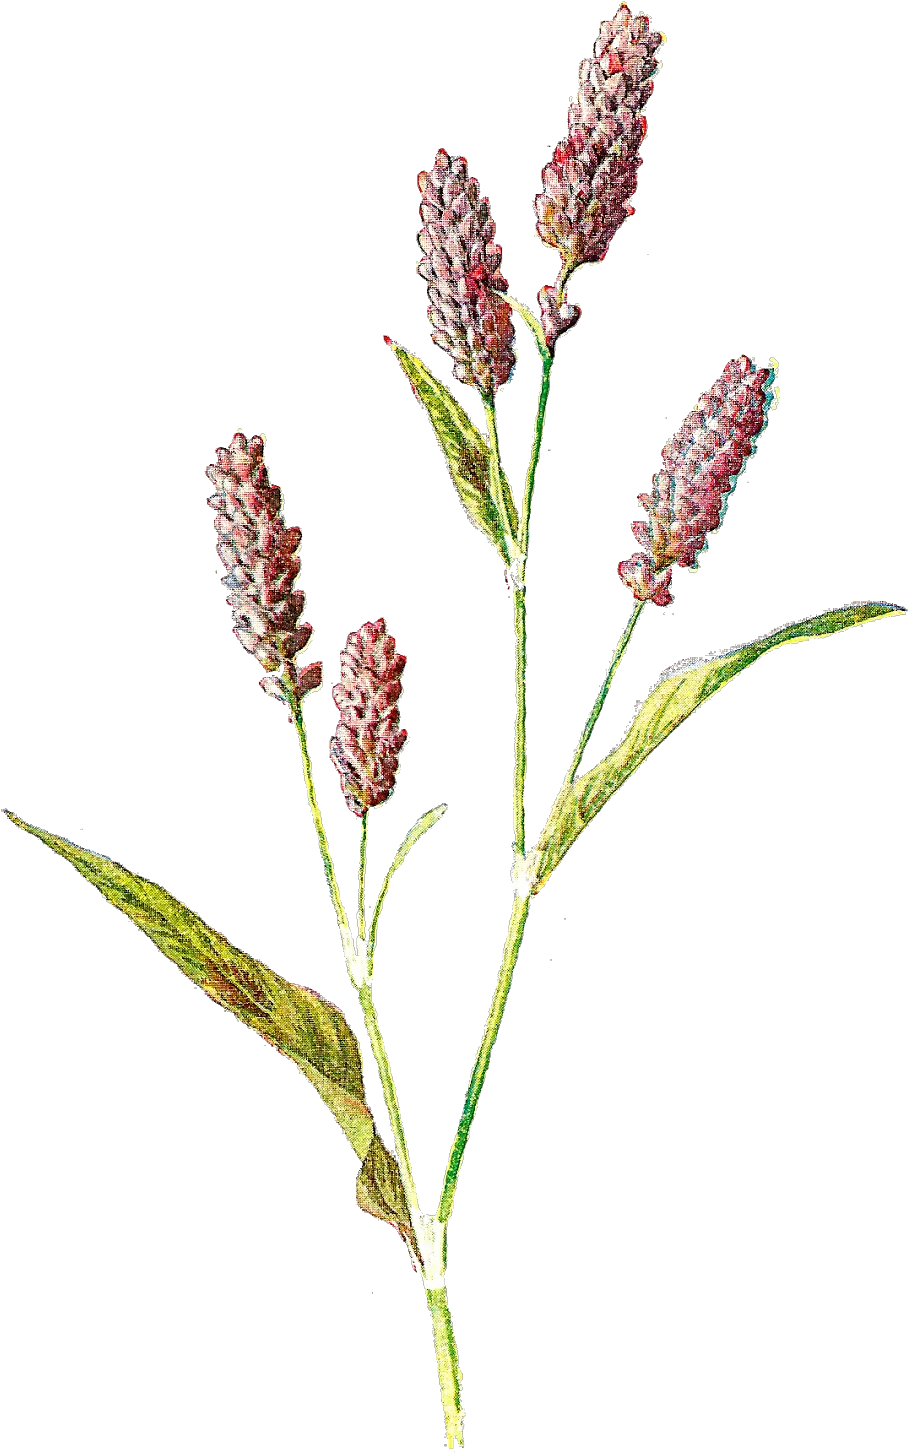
{"points": [[674, 698], [466, 451]]}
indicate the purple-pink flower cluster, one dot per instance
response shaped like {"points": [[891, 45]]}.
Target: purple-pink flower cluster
{"points": [[587, 186], [701, 464], [262, 565], [369, 736], [461, 264]]}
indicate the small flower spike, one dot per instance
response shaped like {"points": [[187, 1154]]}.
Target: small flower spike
{"points": [[702, 462], [461, 264], [369, 737], [260, 555]]}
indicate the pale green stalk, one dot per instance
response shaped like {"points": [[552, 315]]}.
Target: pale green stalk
{"points": [[358, 958]]}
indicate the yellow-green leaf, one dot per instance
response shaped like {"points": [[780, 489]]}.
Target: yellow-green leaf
{"points": [[296, 1021], [466, 451], [672, 701]]}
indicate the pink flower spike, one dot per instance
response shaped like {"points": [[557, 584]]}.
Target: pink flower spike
{"points": [[369, 737], [259, 553], [461, 264], [587, 186], [701, 464]]}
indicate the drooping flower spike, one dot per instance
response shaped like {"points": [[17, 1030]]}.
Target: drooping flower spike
{"points": [[369, 736], [702, 462], [588, 184], [262, 565], [461, 264]]}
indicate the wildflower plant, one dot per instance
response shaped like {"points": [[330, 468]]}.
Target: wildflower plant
{"points": [[585, 197]]}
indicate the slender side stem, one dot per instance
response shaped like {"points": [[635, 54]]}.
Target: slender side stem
{"points": [[604, 690], [390, 1093], [323, 848], [512, 944], [545, 382], [364, 990], [361, 896], [448, 1365], [520, 613]]}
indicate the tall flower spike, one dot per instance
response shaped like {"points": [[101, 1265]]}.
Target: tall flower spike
{"points": [[369, 737], [588, 184], [702, 462], [262, 565], [462, 266]]}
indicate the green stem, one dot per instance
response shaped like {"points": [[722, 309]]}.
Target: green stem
{"points": [[364, 989], [389, 1091], [323, 848], [361, 896], [604, 690], [520, 613], [448, 1365], [519, 912]]}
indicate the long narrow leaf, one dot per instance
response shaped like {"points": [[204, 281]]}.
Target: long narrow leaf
{"points": [[296, 1021], [674, 698]]}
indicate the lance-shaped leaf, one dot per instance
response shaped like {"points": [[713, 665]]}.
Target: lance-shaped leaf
{"points": [[674, 698], [466, 451], [298, 1022]]}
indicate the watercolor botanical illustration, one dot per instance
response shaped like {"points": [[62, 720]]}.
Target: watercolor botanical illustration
{"points": [[345, 699]]}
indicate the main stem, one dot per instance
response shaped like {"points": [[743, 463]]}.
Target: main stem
{"points": [[519, 912], [521, 905]]}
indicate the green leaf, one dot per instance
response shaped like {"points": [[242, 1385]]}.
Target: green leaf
{"points": [[298, 1022], [380, 1192], [674, 698], [466, 451]]}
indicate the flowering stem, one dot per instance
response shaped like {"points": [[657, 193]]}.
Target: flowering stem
{"points": [[519, 912], [604, 690], [520, 613], [327, 864], [389, 1091], [362, 985], [361, 897]]}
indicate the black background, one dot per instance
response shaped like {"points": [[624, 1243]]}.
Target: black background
{"points": [[664, 1218]]}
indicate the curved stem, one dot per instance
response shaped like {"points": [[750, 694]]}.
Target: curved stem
{"points": [[530, 482], [519, 912], [531, 321]]}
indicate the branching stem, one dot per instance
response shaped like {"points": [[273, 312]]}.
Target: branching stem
{"points": [[604, 690]]}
